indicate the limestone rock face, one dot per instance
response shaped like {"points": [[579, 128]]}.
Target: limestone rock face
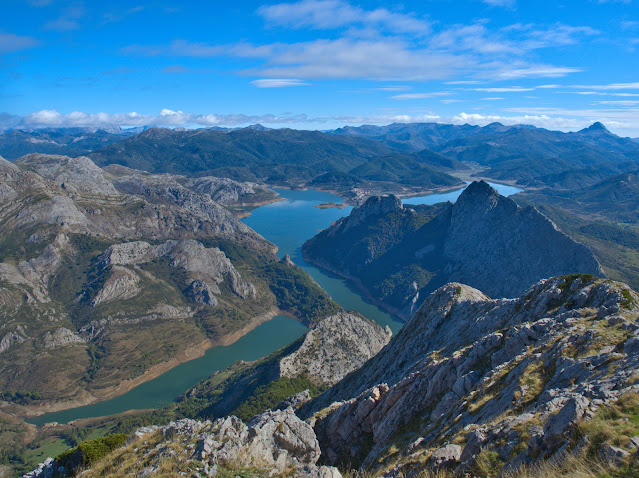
{"points": [[501, 249], [122, 284], [335, 347], [496, 368], [373, 206], [274, 443], [115, 260], [78, 174], [226, 191], [206, 268], [167, 189], [61, 337]]}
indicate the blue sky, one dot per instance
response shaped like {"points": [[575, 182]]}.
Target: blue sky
{"points": [[320, 64]]}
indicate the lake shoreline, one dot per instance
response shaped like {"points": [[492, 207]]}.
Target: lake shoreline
{"points": [[193, 352], [360, 286]]}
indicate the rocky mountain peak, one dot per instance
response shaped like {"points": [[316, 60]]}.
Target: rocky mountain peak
{"points": [[77, 174], [480, 197], [376, 206], [596, 127], [6, 166], [381, 204], [373, 206]]}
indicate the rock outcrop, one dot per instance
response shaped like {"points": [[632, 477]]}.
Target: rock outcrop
{"points": [[275, 443], [400, 255], [75, 174], [470, 375], [335, 347], [373, 207]]}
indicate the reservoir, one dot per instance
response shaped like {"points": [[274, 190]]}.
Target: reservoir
{"points": [[287, 224]]}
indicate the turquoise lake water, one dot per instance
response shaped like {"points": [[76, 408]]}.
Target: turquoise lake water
{"points": [[288, 224]]}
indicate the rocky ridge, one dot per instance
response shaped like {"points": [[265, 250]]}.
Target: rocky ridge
{"points": [[470, 376]]}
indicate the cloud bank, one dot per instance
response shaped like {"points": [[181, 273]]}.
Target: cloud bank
{"points": [[557, 119]]}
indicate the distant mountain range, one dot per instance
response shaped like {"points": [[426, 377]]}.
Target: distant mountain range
{"points": [[397, 158]]}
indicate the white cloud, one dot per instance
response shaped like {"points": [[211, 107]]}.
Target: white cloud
{"points": [[10, 42], [69, 20], [382, 45], [385, 60], [603, 93], [175, 69], [330, 14], [507, 89], [534, 71], [416, 96], [166, 117], [611, 86], [500, 3], [277, 82], [619, 119], [619, 103]]}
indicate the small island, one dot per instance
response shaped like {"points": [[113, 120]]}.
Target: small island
{"points": [[329, 205]]}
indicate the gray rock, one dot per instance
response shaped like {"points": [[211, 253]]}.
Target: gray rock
{"points": [[77, 174], [614, 455], [498, 367], [335, 347], [294, 401], [122, 284], [446, 457]]}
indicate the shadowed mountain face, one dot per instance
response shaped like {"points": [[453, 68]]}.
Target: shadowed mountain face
{"points": [[485, 240]]}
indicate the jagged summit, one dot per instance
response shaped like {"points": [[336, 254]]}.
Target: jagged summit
{"points": [[381, 204], [596, 127], [480, 195], [258, 127], [374, 206]]}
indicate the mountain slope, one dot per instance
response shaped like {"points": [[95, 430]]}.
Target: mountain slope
{"points": [[99, 286], [614, 198], [263, 155], [542, 385], [400, 255], [286, 157], [478, 384]]}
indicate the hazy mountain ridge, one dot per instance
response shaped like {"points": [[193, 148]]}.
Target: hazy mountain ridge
{"points": [[533, 157], [64, 141], [285, 157]]}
